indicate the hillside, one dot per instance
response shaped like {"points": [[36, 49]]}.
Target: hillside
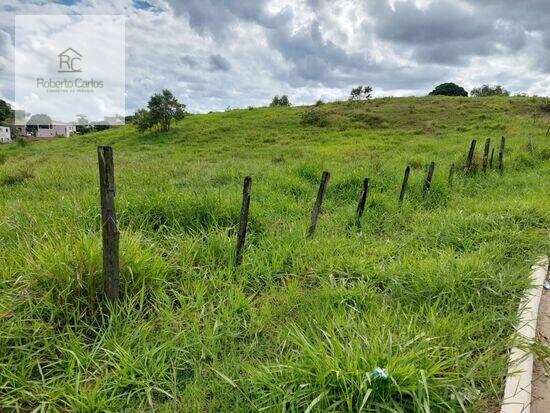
{"points": [[428, 292]]}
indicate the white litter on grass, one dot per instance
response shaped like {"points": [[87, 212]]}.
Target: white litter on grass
{"points": [[379, 373]]}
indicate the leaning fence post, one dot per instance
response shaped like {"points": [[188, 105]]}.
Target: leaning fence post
{"points": [[492, 156], [362, 199], [317, 206], [470, 159], [404, 184], [429, 177], [486, 153], [244, 220], [501, 155], [451, 174], [110, 232]]}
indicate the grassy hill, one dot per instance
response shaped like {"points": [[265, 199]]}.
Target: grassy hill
{"points": [[429, 293]]}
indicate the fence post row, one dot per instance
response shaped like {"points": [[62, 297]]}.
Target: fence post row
{"points": [[429, 177], [404, 184], [501, 155], [317, 206], [362, 199], [470, 159], [110, 233], [486, 153], [244, 220]]}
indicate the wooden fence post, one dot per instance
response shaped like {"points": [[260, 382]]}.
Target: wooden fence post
{"points": [[244, 220], [470, 159], [486, 153], [404, 185], [492, 156], [362, 199], [531, 145], [501, 155], [429, 177], [451, 174], [110, 232], [317, 206]]}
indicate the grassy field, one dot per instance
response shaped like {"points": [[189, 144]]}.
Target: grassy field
{"points": [[429, 293]]}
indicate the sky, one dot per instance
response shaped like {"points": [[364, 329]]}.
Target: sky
{"points": [[215, 54]]}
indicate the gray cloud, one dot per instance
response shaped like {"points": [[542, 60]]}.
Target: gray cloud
{"points": [[218, 62], [446, 32]]}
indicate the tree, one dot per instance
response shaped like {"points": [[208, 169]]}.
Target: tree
{"points": [[486, 90], [162, 108], [280, 101], [449, 89], [142, 119], [360, 93], [5, 111]]}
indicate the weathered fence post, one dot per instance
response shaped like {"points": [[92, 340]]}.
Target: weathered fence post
{"points": [[492, 156], [110, 232], [404, 184], [486, 153], [470, 159], [501, 155], [429, 177], [451, 174], [362, 199], [531, 145], [317, 206], [244, 220]]}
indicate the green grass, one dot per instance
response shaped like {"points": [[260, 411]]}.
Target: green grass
{"points": [[429, 293]]}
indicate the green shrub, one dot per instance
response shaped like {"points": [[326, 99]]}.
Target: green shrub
{"points": [[280, 101], [22, 141], [449, 89], [314, 117], [544, 105]]}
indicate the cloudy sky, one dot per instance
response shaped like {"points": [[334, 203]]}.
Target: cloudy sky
{"points": [[218, 53]]}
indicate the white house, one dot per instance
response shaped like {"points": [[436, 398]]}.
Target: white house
{"points": [[5, 134], [55, 129]]}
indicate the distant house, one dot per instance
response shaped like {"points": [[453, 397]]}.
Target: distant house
{"points": [[5, 134], [21, 130], [55, 129]]}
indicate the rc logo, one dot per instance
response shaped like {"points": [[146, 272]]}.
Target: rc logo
{"points": [[69, 61]]}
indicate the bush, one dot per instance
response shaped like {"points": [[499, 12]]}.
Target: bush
{"points": [[22, 141], [449, 89], [319, 103], [487, 90], [544, 105], [280, 101], [314, 117]]}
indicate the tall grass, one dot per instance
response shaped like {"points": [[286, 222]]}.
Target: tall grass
{"points": [[428, 292]]}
